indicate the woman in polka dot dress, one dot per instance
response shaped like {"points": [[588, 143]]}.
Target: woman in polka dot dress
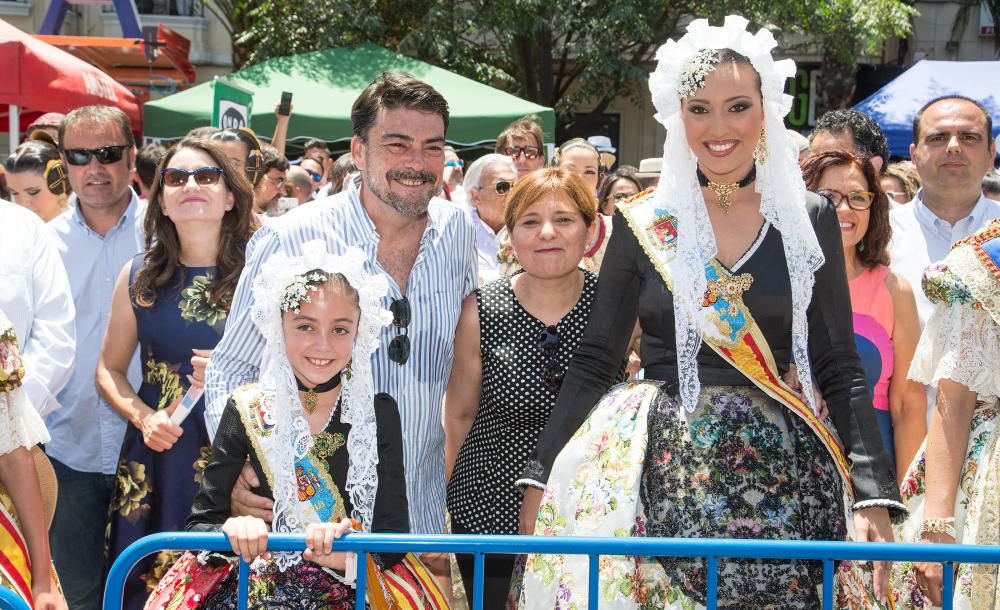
{"points": [[514, 341]]}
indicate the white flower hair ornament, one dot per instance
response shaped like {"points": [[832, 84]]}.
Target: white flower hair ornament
{"points": [[680, 71], [283, 284]]}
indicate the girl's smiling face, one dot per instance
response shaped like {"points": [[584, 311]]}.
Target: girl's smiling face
{"points": [[319, 339]]}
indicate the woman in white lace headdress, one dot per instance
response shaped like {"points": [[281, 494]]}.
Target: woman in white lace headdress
{"points": [[734, 272], [954, 496], [324, 445]]}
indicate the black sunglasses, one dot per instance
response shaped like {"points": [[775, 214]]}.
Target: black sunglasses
{"points": [[547, 342], [106, 155], [203, 176], [313, 175], [399, 347]]}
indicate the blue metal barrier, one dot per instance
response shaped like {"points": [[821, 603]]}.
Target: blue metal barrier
{"points": [[11, 601], [711, 549]]}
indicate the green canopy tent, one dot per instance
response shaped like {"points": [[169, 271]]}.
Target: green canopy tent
{"points": [[325, 85]]}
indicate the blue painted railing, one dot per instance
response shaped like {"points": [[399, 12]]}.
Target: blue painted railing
{"points": [[711, 549], [11, 601]]}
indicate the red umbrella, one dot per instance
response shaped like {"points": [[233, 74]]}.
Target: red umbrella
{"points": [[38, 78]]}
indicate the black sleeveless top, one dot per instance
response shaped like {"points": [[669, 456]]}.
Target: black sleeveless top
{"points": [[515, 404]]}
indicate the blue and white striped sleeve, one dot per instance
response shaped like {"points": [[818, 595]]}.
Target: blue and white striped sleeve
{"points": [[470, 279], [235, 361]]}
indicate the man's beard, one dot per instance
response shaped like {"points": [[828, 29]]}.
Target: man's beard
{"points": [[413, 206]]}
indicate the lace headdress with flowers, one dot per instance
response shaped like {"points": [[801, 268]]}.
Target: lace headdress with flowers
{"points": [[680, 71], [282, 280]]}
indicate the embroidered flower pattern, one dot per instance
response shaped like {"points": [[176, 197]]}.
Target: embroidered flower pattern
{"points": [[131, 491], [11, 365], [196, 302], [166, 377], [200, 463]]}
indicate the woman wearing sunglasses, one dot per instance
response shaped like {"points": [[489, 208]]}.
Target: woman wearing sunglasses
{"points": [[886, 327], [514, 341], [172, 303]]}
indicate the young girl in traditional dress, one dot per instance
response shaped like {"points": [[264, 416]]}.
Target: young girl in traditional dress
{"points": [[323, 444]]}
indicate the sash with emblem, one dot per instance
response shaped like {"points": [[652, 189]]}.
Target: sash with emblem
{"points": [[316, 490], [727, 325]]}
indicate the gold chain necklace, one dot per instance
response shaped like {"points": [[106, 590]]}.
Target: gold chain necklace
{"points": [[723, 190]]}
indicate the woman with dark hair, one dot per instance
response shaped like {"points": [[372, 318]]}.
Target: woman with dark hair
{"points": [[618, 186], [172, 302], [36, 178], [734, 271], [886, 327]]}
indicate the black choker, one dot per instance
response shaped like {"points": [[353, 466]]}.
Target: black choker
{"points": [[309, 402], [723, 190]]}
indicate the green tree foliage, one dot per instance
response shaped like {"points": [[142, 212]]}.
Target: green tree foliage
{"points": [[566, 54]]}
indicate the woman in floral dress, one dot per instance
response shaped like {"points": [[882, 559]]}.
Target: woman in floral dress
{"points": [[953, 495], [733, 271], [171, 302]]}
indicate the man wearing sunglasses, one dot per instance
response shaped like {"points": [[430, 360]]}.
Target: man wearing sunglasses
{"points": [[314, 168], [523, 142], [99, 233], [425, 247], [488, 183]]}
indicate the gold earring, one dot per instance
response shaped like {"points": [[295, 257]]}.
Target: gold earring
{"points": [[760, 150]]}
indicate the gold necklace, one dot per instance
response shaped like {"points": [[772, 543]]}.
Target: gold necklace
{"points": [[311, 398], [723, 190]]}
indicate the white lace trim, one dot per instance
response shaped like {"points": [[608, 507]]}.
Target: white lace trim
{"points": [[779, 181], [290, 438], [960, 343], [20, 423]]}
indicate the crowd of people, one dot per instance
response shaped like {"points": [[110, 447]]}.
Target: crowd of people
{"points": [[769, 337]]}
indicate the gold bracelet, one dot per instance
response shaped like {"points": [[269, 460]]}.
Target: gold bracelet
{"points": [[938, 525]]}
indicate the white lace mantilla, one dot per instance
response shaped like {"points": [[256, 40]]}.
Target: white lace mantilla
{"points": [[290, 438], [779, 182]]}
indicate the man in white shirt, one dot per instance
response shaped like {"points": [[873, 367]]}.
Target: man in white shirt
{"points": [[96, 236], [487, 184], [37, 300], [952, 150]]}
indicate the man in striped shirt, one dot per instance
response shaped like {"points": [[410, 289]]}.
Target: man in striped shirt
{"points": [[424, 245]]}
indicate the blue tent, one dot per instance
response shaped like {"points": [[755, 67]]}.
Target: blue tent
{"points": [[894, 105]]}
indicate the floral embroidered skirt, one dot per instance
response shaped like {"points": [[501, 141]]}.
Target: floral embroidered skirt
{"points": [[739, 466], [977, 517], [305, 586]]}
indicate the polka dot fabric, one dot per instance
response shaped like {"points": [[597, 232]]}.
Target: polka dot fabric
{"points": [[514, 407]]}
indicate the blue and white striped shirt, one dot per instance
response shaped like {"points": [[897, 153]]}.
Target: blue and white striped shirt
{"points": [[443, 275]]}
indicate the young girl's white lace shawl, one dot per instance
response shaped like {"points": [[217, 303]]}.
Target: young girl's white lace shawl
{"points": [[779, 182], [290, 439]]}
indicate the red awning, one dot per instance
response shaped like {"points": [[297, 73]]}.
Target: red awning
{"points": [[40, 78]]}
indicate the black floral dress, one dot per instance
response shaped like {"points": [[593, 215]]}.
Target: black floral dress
{"points": [[739, 465], [154, 491]]}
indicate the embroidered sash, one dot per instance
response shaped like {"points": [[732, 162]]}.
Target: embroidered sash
{"points": [[728, 326], [15, 567], [316, 489]]}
